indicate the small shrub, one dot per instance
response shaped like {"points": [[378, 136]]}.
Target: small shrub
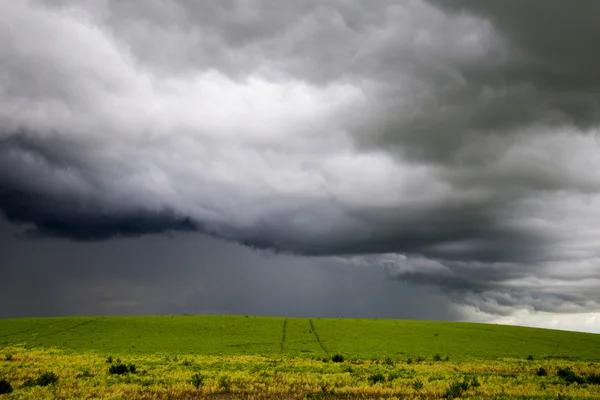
{"points": [[437, 357], [417, 384], [47, 378], [475, 381], [530, 357], [197, 380], [375, 378], [8, 357], [84, 374], [109, 359], [570, 376], [541, 372], [118, 369], [388, 361], [409, 361], [456, 389], [29, 382], [420, 359], [225, 383], [447, 358], [593, 379], [132, 368], [338, 358], [392, 376], [5, 386]]}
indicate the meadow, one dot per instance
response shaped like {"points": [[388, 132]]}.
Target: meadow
{"points": [[218, 357]]}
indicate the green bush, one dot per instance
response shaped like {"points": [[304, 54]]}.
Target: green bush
{"points": [[197, 380], [570, 376], [84, 374], [5, 386], [109, 359], [338, 358], [530, 357], [375, 378], [437, 357], [388, 361], [29, 382], [417, 384], [392, 376], [8, 357], [120, 369], [456, 389], [47, 378], [541, 372], [225, 383]]}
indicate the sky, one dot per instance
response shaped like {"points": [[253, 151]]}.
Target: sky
{"points": [[417, 159]]}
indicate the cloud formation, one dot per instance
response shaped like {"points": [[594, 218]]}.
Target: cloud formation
{"points": [[462, 138]]}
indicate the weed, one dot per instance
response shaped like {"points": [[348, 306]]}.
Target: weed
{"points": [[392, 376], [338, 358], [530, 357], [388, 361], [197, 380], [375, 378], [5, 386], [437, 357], [447, 358], [8, 357], [409, 361], [109, 360], [475, 381], [417, 384], [420, 359]]}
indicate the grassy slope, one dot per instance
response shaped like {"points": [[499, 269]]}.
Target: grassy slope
{"points": [[232, 335]]}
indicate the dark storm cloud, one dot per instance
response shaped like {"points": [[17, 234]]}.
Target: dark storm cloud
{"points": [[194, 274], [441, 131]]}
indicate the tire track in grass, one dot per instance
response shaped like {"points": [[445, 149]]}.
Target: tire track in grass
{"points": [[64, 330], [283, 335], [26, 330], [314, 331]]}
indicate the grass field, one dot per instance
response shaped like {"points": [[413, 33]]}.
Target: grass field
{"points": [[264, 357]]}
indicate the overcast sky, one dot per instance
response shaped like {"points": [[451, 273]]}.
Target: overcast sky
{"points": [[399, 159]]}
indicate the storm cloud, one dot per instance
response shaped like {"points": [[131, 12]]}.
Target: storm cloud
{"points": [[452, 144]]}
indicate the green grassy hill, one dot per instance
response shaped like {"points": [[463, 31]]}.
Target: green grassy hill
{"points": [[239, 335]]}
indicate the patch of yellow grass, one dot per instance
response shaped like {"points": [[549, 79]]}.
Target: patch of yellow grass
{"points": [[85, 375]]}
